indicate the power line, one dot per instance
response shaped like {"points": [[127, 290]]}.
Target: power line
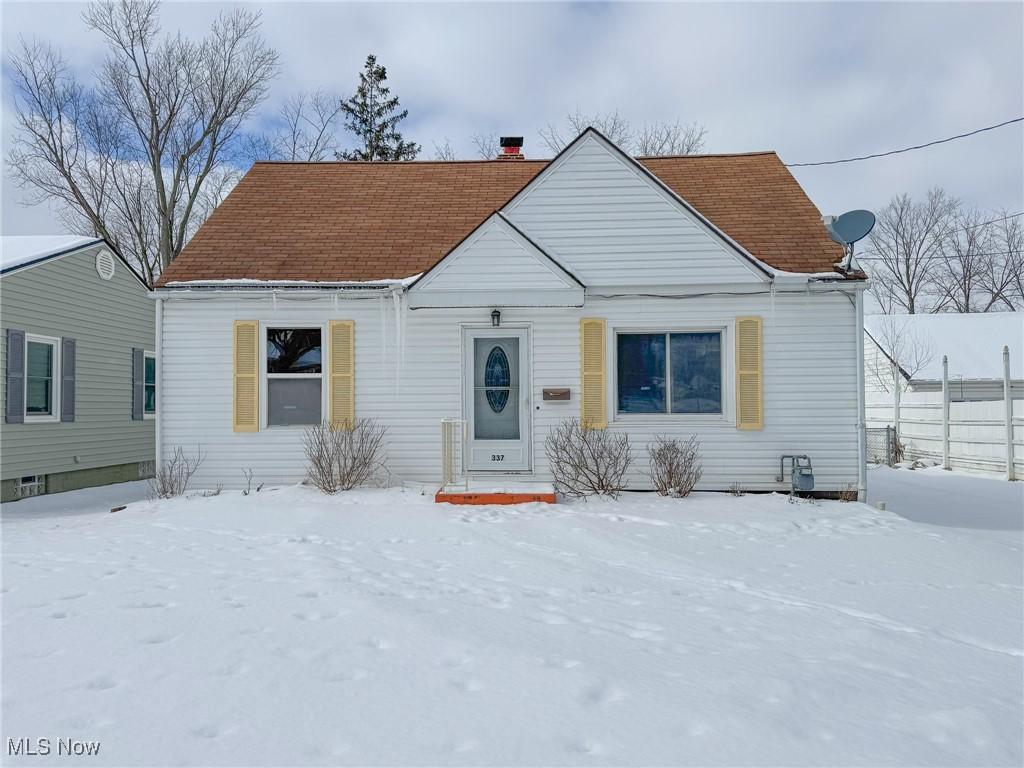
{"points": [[906, 149], [943, 256], [983, 223]]}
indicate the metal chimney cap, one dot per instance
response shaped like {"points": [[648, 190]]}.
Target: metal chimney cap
{"points": [[511, 141]]}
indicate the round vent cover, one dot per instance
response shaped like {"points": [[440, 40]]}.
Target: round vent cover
{"points": [[105, 264]]}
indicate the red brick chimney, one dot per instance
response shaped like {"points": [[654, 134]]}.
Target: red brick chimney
{"points": [[511, 148]]}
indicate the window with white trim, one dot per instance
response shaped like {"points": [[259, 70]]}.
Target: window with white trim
{"points": [[294, 376], [669, 372], [149, 385], [42, 378]]}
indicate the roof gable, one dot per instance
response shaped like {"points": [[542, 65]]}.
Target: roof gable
{"points": [[612, 222], [496, 265]]}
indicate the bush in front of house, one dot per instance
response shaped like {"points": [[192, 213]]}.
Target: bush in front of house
{"points": [[587, 462], [342, 457], [172, 477], [675, 465]]}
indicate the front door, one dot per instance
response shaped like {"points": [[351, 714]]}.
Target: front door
{"points": [[497, 399]]}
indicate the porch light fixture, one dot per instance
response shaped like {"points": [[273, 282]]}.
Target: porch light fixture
{"points": [[495, 318]]}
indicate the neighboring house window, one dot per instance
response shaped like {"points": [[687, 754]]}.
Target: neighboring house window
{"points": [[669, 372], [42, 378], [294, 376], [149, 385]]}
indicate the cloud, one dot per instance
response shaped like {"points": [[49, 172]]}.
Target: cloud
{"points": [[812, 81]]}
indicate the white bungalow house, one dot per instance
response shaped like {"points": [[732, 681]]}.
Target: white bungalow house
{"points": [[695, 295]]}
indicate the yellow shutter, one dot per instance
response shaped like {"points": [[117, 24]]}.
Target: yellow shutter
{"points": [[246, 416], [342, 380], [593, 412], [749, 374]]}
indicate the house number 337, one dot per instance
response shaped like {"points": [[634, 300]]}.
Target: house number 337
{"points": [[497, 457]]}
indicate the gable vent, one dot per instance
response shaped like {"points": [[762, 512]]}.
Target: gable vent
{"points": [[105, 264]]}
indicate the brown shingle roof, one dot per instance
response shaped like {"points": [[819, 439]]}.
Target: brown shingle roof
{"points": [[368, 221]]}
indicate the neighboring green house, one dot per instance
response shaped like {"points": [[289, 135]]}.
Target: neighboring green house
{"points": [[79, 363]]}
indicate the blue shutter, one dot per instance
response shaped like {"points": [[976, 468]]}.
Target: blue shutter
{"points": [[138, 384], [67, 379], [14, 407]]}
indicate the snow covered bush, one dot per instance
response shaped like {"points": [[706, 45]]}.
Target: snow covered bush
{"points": [[675, 466], [587, 462], [341, 459], [172, 478]]}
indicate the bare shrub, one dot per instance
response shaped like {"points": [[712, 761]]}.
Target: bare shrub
{"points": [[248, 475], [848, 494], [587, 462], [675, 466], [172, 478], [341, 459], [899, 451], [737, 489]]}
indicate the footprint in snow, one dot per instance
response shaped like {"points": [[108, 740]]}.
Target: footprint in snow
{"points": [[562, 663], [315, 615], [600, 694], [232, 668], [469, 684], [101, 683], [589, 747], [59, 615], [157, 639], [380, 643], [74, 596]]}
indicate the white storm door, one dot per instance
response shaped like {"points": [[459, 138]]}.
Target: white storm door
{"points": [[497, 399]]}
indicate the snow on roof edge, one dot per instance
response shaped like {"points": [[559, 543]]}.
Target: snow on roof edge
{"points": [[21, 250]]}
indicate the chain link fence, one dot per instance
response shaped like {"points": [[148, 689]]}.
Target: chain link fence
{"points": [[882, 445]]}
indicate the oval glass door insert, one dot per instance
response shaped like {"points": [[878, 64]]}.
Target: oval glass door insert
{"points": [[497, 379]]}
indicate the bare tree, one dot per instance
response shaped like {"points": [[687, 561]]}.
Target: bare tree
{"points": [[487, 145], [903, 347], [656, 138], [678, 138], [1005, 276], [306, 130], [444, 150], [130, 158], [967, 260], [611, 124], [906, 251]]}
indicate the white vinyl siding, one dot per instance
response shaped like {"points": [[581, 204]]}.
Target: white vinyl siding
{"points": [[810, 398], [496, 265], [610, 225]]}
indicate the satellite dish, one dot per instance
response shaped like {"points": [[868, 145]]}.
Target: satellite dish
{"points": [[848, 229], [851, 226]]}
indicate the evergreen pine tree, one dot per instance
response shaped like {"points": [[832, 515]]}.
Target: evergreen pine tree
{"points": [[372, 116]]}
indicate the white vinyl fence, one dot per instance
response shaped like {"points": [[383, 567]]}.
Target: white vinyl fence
{"points": [[981, 435], [977, 430]]}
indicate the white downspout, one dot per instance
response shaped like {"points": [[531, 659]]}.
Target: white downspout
{"points": [[159, 382], [862, 437]]}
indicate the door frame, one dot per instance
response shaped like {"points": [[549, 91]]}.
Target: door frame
{"points": [[524, 331]]}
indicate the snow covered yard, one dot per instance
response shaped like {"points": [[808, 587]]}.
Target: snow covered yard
{"points": [[288, 628]]}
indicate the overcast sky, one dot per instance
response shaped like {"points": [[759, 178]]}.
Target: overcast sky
{"points": [[811, 81]]}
